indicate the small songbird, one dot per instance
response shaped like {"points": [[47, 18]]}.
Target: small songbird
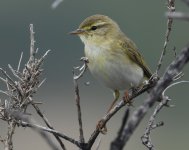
{"points": [[113, 58]]}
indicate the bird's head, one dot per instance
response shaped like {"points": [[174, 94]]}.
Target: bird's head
{"points": [[97, 29]]}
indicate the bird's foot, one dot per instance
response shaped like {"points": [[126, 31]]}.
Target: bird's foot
{"points": [[126, 98], [153, 78], [101, 127]]}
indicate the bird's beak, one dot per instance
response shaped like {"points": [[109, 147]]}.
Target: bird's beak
{"points": [[76, 32]]}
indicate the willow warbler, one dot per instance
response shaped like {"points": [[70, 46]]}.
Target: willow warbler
{"points": [[113, 58]]}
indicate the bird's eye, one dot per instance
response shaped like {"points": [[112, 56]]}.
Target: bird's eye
{"points": [[93, 28]]}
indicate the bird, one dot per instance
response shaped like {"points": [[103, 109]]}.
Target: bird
{"points": [[113, 58]]}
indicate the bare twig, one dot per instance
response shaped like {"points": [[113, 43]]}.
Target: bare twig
{"points": [[178, 15], [77, 97], [171, 8], [56, 3], [159, 124], [82, 69], [47, 123], [146, 140], [21, 118], [26, 124], [173, 84]]}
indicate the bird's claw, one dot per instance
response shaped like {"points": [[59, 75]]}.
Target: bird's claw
{"points": [[101, 127], [126, 98]]}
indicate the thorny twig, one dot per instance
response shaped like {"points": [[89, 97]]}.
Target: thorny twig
{"points": [[21, 91], [32, 58], [19, 63]]}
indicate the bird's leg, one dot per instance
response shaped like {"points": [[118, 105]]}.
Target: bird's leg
{"points": [[116, 97], [103, 130]]}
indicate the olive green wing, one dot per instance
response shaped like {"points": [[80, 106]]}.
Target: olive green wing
{"points": [[131, 50]]}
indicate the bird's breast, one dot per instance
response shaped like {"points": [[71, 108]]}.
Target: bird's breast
{"points": [[115, 70]]}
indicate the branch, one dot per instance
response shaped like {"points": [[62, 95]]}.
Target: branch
{"points": [[20, 119], [173, 69], [118, 106], [47, 123], [26, 124]]}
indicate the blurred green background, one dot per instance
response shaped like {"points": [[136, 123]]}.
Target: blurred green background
{"points": [[143, 21]]}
